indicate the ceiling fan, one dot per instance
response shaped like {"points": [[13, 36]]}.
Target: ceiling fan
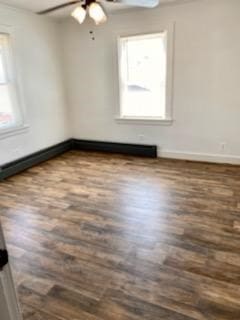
{"points": [[95, 9]]}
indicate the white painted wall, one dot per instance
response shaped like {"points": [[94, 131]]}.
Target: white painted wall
{"points": [[206, 108], [39, 66]]}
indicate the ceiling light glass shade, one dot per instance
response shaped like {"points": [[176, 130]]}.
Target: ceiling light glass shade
{"points": [[79, 14], [97, 13]]}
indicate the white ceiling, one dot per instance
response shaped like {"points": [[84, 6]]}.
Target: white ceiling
{"points": [[38, 5]]}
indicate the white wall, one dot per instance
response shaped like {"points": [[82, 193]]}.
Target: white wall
{"points": [[206, 108], [38, 63]]}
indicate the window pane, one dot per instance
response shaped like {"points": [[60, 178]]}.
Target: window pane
{"points": [[10, 115], [6, 112], [144, 78]]}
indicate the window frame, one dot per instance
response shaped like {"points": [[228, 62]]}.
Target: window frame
{"points": [[168, 119], [20, 126]]}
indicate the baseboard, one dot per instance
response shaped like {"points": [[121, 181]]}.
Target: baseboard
{"points": [[113, 147], [27, 162], [201, 157]]}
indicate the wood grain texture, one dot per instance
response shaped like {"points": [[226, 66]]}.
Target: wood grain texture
{"points": [[101, 237]]}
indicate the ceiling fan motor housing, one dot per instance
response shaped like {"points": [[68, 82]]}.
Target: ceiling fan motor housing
{"points": [[87, 3]]}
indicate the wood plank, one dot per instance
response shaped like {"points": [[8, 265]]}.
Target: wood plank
{"points": [[96, 236]]}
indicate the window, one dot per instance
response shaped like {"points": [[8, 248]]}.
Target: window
{"points": [[143, 69], [10, 115]]}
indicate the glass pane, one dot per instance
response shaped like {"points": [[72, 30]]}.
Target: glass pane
{"points": [[6, 112], [144, 93]]}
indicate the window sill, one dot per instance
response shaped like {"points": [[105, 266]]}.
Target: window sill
{"points": [[5, 133], [144, 121]]}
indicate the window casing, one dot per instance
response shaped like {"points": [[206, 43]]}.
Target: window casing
{"points": [[145, 67], [11, 116]]}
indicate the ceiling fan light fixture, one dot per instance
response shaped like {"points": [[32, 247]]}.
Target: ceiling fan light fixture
{"points": [[79, 14], [97, 13]]}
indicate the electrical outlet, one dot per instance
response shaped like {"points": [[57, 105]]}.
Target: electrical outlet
{"points": [[223, 146], [141, 137]]}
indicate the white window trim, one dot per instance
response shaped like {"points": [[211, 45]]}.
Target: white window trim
{"points": [[168, 120], [144, 120], [23, 127]]}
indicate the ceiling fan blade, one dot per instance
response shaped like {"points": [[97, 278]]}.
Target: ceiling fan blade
{"points": [[61, 6], [138, 3]]}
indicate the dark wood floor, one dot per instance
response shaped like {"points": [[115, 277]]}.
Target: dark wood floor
{"points": [[109, 237]]}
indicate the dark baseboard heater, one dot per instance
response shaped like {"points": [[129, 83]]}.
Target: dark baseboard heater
{"points": [[14, 167]]}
